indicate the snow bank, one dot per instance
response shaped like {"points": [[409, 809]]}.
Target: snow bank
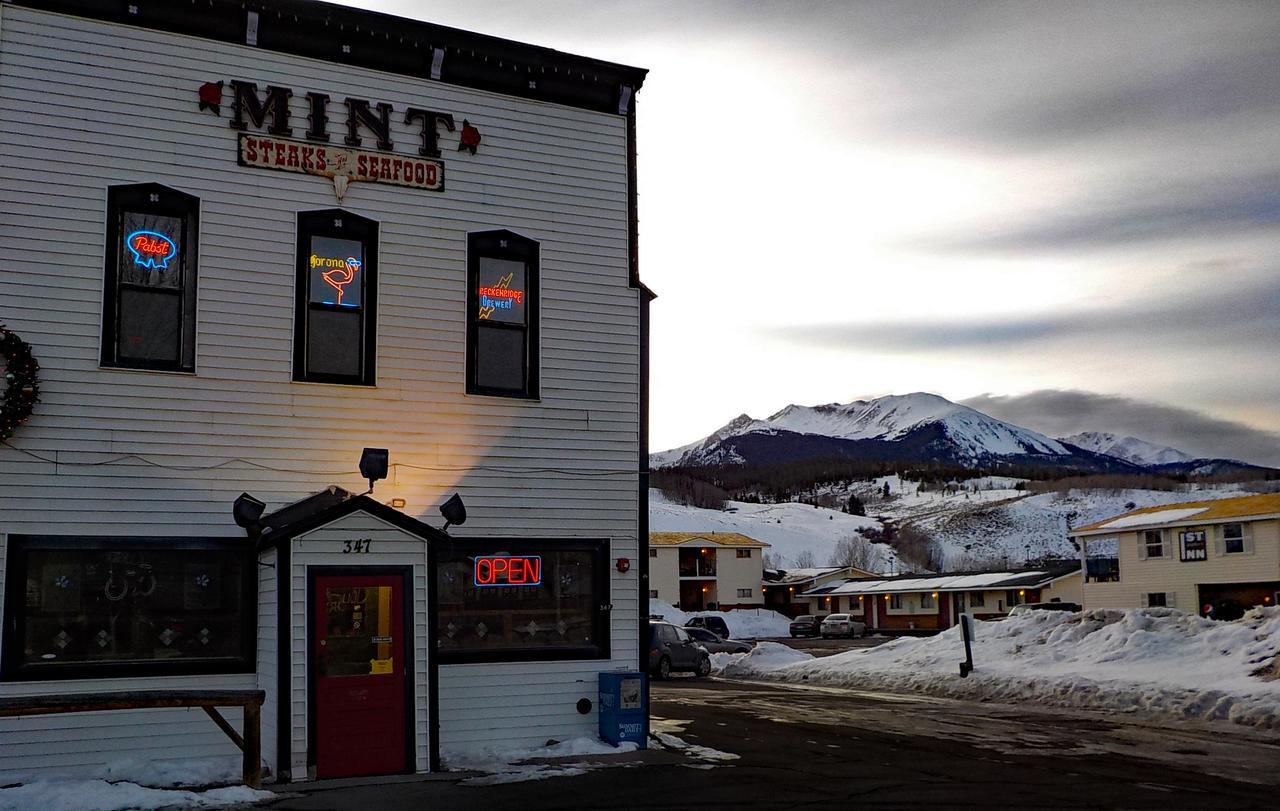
{"points": [[99, 795], [764, 656], [1154, 659], [744, 623]]}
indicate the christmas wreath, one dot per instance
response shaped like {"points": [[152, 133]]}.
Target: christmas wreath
{"points": [[22, 386]]}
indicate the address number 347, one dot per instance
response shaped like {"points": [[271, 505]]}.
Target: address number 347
{"points": [[359, 545]]}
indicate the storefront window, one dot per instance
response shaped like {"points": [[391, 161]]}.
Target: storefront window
{"points": [[514, 601], [86, 607]]}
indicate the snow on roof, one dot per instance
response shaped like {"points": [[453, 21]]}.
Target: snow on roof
{"points": [[1157, 517], [953, 582], [1224, 509], [717, 538], [775, 577]]}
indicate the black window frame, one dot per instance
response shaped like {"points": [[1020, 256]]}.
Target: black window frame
{"points": [[1241, 538], [602, 582], [507, 245], [1157, 599], [340, 224], [743, 553], [158, 200], [13, 669]]}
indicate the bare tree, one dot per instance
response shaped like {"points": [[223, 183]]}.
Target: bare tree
{"points": [[770, 560], [805, 560], [855, 551]]}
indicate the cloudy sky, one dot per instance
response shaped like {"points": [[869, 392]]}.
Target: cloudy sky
{"points": [[1067, 214]]}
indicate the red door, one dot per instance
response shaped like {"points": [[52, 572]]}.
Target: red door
{"points": [[359, 656]]}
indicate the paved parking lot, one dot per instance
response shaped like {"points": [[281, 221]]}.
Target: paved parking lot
{"points": [[765, 746]]}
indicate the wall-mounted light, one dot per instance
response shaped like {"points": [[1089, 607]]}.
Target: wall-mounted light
{"points": [[374, 465], [398, 503], [454, 512], [247, 512]]}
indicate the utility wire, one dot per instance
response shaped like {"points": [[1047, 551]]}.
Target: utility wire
{"points": [[250, 463]]}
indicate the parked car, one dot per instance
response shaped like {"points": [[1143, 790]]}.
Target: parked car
{"points": [[1057, 606], [806, 625], [672, 650], [715, 625], [714, 643], [841, 625]]}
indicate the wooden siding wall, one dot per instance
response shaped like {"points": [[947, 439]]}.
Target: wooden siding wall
{"points": [[84, 105], [268, 659]]}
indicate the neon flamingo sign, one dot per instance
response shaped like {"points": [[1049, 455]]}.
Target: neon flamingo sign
{"points": [[338, 273], [151, 249]]}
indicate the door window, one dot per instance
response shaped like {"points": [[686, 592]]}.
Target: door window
{"points": [[359, 631]]}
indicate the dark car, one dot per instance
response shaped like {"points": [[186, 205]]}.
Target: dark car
{"points": [[714, 643], [806, 625], [672, 650], [1055, 606], [715, 625]]}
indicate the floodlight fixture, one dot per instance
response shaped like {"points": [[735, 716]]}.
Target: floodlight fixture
{"points": [[454, 511], [373, 465]]}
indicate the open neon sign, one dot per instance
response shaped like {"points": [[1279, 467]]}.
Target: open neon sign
{"points": [[508, 570], [151, 249]]}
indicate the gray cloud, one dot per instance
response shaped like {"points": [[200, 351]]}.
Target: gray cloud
{"points": [[1208, 207], [1059, 412], [1221, 313]]}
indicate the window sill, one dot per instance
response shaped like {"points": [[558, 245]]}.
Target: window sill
{"points": [[107, 367], [347, 385]]}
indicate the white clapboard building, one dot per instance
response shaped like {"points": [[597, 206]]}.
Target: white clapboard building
{"points": [[245, 242]]}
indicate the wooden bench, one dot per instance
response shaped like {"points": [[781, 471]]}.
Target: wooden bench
{"points": [[207, 700]]}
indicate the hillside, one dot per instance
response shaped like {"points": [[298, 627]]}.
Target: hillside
{"points": [[1128, 448], [982, 523]]}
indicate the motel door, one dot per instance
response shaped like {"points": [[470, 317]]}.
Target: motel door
{"points": [[359, 656]]}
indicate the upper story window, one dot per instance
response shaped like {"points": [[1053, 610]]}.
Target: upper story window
{"points": [[149, 301], [502, 315], [744, 553], [1234, 539], [335, 327], [1152, 544]]}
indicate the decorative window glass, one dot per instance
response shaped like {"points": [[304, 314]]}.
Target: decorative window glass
{"points": [[1233, 539], [744, 553], [557, 614], [335, 328], [977, 599], [149, 303], [502, 319], [1153, 543], [84, 608]]}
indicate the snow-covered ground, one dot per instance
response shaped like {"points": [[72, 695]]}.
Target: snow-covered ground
{"points": [[1156, 660], [100, 795], [518, 765], [789, 529], [132, 783], [744, 623]]}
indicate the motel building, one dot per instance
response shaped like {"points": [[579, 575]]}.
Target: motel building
{"points": [[706, 571], [782, 587], [935, 602], [349, 265], [1215, 558]]}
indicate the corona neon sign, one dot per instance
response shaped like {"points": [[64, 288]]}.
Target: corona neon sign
{"points": [[151, 249], [337, 273], [508, 570]]}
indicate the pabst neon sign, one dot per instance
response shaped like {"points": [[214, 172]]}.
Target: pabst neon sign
{"points": [[151, 249]]}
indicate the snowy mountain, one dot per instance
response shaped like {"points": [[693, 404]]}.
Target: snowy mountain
{"points": [[910, 427], [1128, 448]]}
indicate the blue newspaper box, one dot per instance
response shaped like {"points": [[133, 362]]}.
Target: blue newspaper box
{"points": [[623, 711]]}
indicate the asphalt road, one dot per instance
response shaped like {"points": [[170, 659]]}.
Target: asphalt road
{"points": [[765, 747]]}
